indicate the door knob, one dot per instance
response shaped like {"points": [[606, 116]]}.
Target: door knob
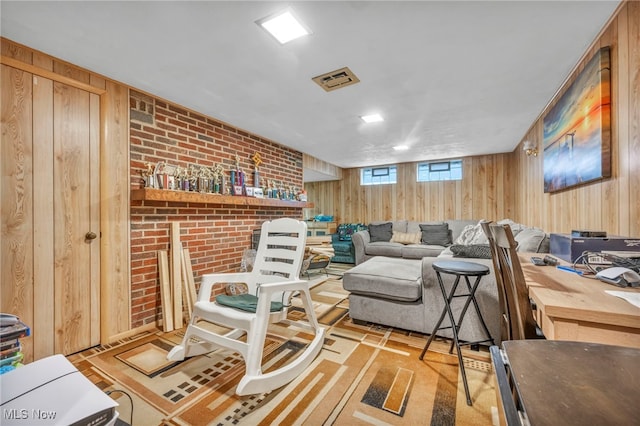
{"points": [[90, 235]]}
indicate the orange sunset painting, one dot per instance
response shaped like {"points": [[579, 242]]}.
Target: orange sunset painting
{"points": [[577, 130]]}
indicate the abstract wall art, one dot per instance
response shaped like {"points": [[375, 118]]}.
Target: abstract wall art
{"points": [[577, 129]]}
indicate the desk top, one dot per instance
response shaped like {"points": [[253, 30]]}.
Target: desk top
{"points": [[571, 296], [575, 383]]}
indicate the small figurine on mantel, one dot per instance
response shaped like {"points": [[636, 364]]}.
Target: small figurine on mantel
{"points": [[270, 188], [193, 178], [265, 188], [237, 179], [147, 176], [218, 178], [257, 160], [177, 178]]}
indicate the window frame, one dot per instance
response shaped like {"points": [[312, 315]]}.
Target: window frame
{"points": [[377, 178], [452, 172]]}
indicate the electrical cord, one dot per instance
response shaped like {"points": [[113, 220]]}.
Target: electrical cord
{"points": [[584, 258], [130, 400]]}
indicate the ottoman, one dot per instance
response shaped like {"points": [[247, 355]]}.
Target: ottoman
{"points": [[387, 291]]}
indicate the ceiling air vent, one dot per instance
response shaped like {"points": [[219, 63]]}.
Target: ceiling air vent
{"points": [[336, 79]]}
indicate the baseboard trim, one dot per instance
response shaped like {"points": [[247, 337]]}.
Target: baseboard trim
{"points": [[151, 327]]}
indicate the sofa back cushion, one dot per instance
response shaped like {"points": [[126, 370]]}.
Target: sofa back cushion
{"points": [[381, 232], [415, 226], [396, 225], [530, 240], [438, 235]]}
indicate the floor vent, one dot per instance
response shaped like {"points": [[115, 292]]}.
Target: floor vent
{"points": [[336, 79]]}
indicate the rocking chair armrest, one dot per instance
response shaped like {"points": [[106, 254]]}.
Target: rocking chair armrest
{"points": [[208, 280], [283, 286]]}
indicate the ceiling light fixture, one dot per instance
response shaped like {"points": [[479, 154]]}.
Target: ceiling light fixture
{"points": [[401, 147], [372, 118], [284, 26]]}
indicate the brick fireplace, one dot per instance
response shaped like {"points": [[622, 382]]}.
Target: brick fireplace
{"points": [[216, 235]]}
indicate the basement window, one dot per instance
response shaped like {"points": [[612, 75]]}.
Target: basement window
{"points": [[378, 175], [436, 171]]}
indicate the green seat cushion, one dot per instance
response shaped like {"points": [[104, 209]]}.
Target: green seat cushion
{"points": [[245, 302]]}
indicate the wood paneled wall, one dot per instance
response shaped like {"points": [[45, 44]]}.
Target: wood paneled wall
{"points": [[612, 205], [316, 165], [484, 192], [511, 185], [35, 307]]}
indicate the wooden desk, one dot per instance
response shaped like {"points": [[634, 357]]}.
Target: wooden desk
{"points": [[572, 307], [574, 383]]}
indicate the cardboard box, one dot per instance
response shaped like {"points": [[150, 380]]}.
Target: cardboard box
{"points": [[570, 248]]}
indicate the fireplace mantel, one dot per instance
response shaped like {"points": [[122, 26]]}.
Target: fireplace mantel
{"points": [[151, 194]]}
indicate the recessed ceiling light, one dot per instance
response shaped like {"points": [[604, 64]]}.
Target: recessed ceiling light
{"points": [[284, 26], [401, 147], [373, 118]]}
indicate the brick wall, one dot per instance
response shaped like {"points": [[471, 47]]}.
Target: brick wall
{"points": [[216, 236]]}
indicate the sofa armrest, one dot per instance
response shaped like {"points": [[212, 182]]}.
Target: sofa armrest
{"points": [[360, 239]]}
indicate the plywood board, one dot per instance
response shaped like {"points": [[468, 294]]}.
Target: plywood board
{"points": [[191, 285], [165, 291], [176, 276], [186, 295]]}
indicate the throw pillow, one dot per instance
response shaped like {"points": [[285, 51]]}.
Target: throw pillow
{"points": [[478, 251], [516, 228], [466, 235], [529, 240], [406, 238], [436, 235], [346, 230], [472, 234], [381, 232]]}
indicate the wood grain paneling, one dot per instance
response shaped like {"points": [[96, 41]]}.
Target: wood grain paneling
{"points": [[16, 162], [43, 226], [312, 163], [484, 192], [71, 207], [115, 254]]}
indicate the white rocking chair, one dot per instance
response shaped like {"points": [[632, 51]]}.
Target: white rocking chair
{"points": [[274, 280]]}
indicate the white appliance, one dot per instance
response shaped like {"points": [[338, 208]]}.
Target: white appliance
{"points": [[51, 391]]}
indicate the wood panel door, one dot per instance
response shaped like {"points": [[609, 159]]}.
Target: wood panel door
{"points": [[50, 211]]}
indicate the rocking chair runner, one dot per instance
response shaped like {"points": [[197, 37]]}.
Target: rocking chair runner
{"points": [[274, 278]]}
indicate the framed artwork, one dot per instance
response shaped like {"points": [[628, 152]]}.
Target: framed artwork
{"points": [[577, 130]]}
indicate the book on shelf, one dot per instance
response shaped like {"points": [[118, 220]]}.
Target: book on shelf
{"points": [[9, 352], [9, 344], [13, 360], [15, 331]]}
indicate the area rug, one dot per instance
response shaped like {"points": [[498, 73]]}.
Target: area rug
{"points": [[365, 374]]}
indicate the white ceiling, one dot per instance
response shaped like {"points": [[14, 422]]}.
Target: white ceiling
{"points": [[451, 78]]}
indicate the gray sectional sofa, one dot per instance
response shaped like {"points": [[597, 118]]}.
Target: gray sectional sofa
{"points": [[365, 248], [394, 284]]}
